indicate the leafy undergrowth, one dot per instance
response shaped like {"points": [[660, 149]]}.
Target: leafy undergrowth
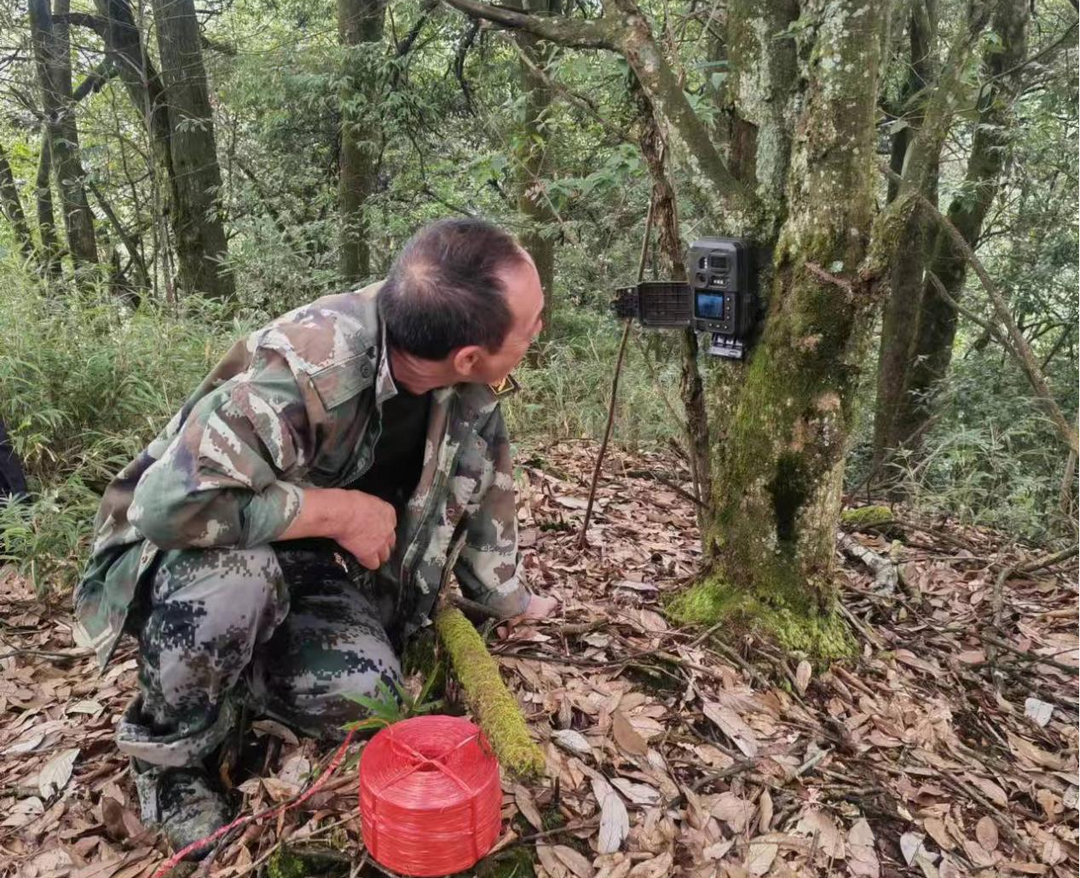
{"points": [[946, 747]]}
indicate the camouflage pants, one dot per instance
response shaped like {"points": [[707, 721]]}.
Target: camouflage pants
{"points": [[280, 628]]}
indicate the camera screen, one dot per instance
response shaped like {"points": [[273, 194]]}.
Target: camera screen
{"points": [[710, 307]]}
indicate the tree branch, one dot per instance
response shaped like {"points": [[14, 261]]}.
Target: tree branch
{"points": [[603, 34], [96, 23], [572, 97], [629, 34], [95, 80]]}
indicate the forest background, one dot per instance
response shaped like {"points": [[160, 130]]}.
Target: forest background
{"points": [[177, 173]]}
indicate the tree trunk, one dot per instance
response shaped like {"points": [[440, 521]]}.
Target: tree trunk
{"points": [[771, 542], [360, 29], [533, 163], [13, 209], [125, 52], [933, 346], [52, 51], [46, 219], [197, 217], [901, 312]]}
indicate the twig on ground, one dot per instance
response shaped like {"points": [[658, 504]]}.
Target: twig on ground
{"points": [[1031, 657]]}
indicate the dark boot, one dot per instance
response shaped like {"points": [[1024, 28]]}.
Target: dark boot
{"points": [[184, 803]]}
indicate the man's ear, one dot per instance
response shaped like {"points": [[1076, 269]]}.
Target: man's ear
{"points": [[466, 360]]}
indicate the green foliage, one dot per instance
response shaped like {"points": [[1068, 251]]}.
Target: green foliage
{"points": [[84, 385], [392, 705]]}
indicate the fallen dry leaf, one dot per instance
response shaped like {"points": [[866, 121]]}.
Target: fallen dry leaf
{"points": [[862, 856], [626, 736], [56, 773], [614, 821], [732, 725], [575, 862], [986, 832], [759, 858]]}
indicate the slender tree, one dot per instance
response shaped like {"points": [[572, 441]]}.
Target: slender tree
{"points": [[13, 209], [932, 346], [46, 218], [52, 53], [901, 311], [360, 30], [197, 215], [534, 148]]}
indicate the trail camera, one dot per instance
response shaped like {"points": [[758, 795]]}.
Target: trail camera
{"points": [[718, 298]]}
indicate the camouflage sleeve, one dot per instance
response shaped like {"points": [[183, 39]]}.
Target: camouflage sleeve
{"points": [[224, 480], [489, 567]]}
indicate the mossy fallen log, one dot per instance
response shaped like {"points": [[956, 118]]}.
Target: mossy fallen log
{"points": [[495, 708]]}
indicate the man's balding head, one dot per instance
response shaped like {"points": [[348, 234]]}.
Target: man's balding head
{"points": [[447, 289]]}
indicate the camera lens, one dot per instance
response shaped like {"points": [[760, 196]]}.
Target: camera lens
{"points": [[719, 262]]}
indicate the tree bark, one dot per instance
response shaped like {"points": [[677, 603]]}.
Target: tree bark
{"points": [[52, 52], [761, 76], [360, 29], [533, 151], [933, 345], [13, 209], [197, 217]]}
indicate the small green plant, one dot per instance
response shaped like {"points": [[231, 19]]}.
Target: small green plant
{"points": [[394, 704]]}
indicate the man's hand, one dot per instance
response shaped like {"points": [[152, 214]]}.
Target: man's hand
{"points": [[363, 525], [367, 529], [539, 607]]}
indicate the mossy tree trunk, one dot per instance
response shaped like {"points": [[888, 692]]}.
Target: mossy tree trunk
{"points": [[931, 121], [901, 310], [197, 217], [360, 29], [771, 542]]}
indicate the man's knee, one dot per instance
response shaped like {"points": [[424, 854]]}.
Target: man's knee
{"points": [[208, 610], [318, 697]]}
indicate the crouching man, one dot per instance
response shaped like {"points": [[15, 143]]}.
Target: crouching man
{"points": [[362, 423]]}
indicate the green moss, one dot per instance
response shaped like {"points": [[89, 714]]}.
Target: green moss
{"points": [[495, 708], [822, 637], [284, 863], [865, 516]]}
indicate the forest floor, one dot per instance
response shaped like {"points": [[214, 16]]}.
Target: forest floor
{"points": [[948, 747]]}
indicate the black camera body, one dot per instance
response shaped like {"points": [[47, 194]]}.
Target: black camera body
{"points": [[720, 297]]}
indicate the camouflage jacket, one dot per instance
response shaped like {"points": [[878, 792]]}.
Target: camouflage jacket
{"points": [[297, 404]]}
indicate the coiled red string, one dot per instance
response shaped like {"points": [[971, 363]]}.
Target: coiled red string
{"points": [[430, 798]]}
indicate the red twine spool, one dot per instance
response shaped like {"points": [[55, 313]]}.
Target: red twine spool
{"points": [[430, 797]]}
